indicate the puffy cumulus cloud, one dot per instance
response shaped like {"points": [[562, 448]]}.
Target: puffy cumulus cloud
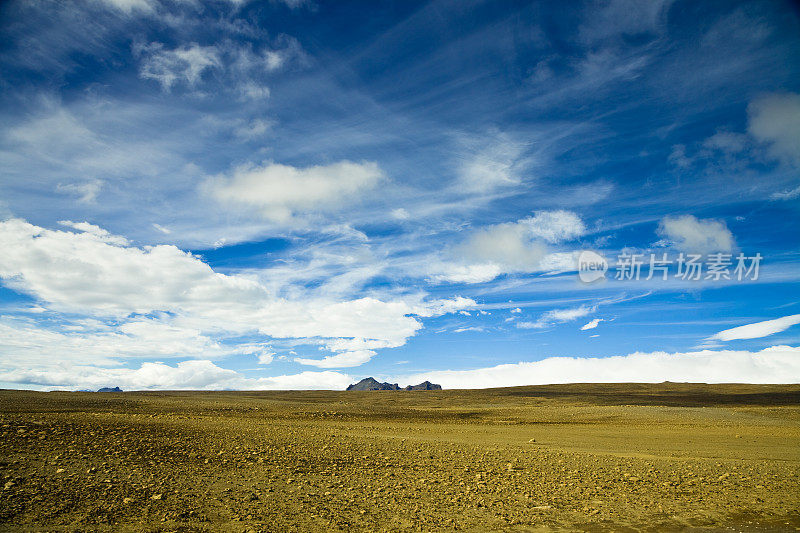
{"points": [[98, 274], [521, 246], [92, 272], [757, 329], [279, 191], [557, 316], [186, 375], [775, 120], [778, 364], [100, 233], [340, 360], [693, 235]]}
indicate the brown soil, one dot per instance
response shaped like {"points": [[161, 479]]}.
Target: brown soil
{"points": [[624, 457]]}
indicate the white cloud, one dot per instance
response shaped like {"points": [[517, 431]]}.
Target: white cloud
{"points": [[554, 226], [400, 214], [25, 344], [790, 194], [102, 234], [592, 324], [448, 272], [98, 274], [726, 141], [495, 165], [130, 6], [340, 360], [186, 375], [253, 129], [98, 142], [266, 357], [557, 316], [560, 262], [253, 91], [468, 328], [86, 192], [240, 68], [512, 247], [623, 17], [183, 64], [775, 120], [693, 235], [778, 364], [508, 245], [279, 191], [758, 329]]}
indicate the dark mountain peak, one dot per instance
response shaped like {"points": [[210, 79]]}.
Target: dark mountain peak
{"points": [[109, 389], [373, 384], [425, 385]]}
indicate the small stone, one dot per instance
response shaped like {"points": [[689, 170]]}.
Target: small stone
{"points": [[127, 500], [59, 470], [156, 497]]}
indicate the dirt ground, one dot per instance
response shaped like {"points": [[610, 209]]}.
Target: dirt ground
{"points": [[622, 457]]}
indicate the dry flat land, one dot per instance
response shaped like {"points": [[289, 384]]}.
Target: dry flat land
{"points": [[667, 457]]}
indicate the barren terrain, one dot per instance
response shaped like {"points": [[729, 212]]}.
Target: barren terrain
{"points": [[622, 457]]}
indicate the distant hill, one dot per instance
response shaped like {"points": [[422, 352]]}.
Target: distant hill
{"points": [[373, 384], [109, 389], [425, 385]]}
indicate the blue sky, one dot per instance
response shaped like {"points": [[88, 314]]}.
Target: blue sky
{"points": [[295, 194]]}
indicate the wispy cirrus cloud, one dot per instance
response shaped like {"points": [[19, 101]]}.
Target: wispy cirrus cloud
{"points": [[757, 330], [558, 316]]}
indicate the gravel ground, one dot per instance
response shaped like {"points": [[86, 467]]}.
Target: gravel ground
{"points": [[575, 457]]}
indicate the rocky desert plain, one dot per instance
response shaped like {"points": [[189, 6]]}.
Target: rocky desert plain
{"points": [[614, 457]]}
